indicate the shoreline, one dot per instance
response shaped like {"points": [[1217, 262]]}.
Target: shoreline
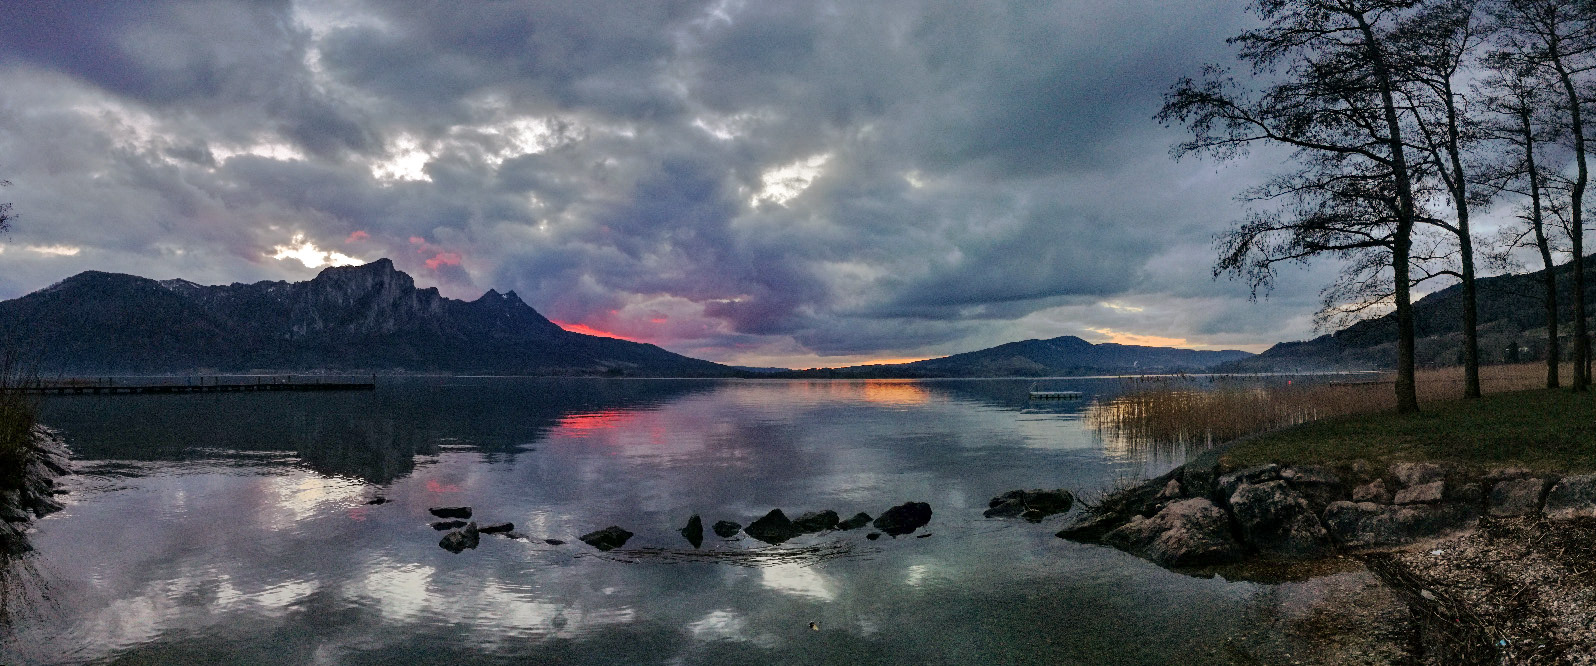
{"points": [[48, 460]]}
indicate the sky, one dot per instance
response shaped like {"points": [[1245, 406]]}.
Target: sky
{"points": [[776, 183]]}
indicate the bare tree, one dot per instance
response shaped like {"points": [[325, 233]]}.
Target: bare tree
{"points": [[1435, 48], [6, 216], [1513, 99], [1333, 99], [1557, 38]]}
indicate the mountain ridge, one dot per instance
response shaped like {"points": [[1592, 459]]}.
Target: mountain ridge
{"points": [[1061, 356]]}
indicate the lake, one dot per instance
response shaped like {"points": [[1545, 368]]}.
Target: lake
{"points": [[236, 528]]}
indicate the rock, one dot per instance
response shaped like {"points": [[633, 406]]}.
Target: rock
{"points": [[1506, 474], [377, 500], [1373, 491], [694, 531], [1260, 474], [11, 509], [1319, 484], [1421, 494], [451, 511], [43, 505], [1091, 527], [1199, 480], [726, 529], [904, 518], [1516, 497], [448, 525], [873, 536], [816, 521], [1361, 470], [554, 542], [1033, 505], [608, 538], [1572, 497], [460, 540], [495, 528], [1277, 519], [512, 534], [772, 528], [1370, 525], [1467, 493], [857, 521], [1188, 533], [1417, 474], [1171, 492]]}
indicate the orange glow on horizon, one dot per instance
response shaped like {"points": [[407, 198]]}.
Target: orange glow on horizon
{"points": [[584, 329], [1123, 338]]}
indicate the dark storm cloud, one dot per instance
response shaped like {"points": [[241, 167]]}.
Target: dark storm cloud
{"points": [[741, 179]]}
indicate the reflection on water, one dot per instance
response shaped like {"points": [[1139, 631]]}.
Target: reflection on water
{"points": [[236, 528]]}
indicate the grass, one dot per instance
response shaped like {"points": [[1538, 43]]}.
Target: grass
{"points": [[18, 412], [1328, 422]]}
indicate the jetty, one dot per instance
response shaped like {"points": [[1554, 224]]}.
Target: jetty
{"points": [[113, 386]]}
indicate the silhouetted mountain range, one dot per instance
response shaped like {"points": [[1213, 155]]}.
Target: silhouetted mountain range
{"points": [[358, 318], [1512, 328], [1062, 356]]}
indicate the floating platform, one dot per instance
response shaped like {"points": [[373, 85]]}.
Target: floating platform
{"points": [[1055, 395], [202, 387]]}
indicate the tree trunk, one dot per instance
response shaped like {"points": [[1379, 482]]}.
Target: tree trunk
{"points": [[1549, 275], [1465, 244], [1576, 232]]}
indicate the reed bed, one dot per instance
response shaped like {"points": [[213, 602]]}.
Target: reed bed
{"points": [[18, 412], [1202, 411]]}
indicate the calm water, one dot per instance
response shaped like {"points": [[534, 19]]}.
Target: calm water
{"points": [[234, 528]]}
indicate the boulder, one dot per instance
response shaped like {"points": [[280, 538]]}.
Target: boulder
{"points": [[1574, 496], [1008, 508], [1274, 518], [1033, 505], [496, 528], [772, 528], [451, 511], [1319, 484], [726, 529], [554, 542], [1423, 493], [1260, 474], [1198, 479], [1417, 474], [1370, 525], [609, 538], [873, 536], [694, 531], [1467, 493], [904, 518], [1092, 526], [1516, 497], [1172, 491], [448, 525], [1188, 533], [816, 521], [1373, 491], [857, 521], [460, 540]]}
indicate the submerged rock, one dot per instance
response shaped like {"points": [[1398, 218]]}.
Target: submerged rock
{"points": [[460, 540], [904, 518], [1033, 505], [726, 529], [609, 538], [857, 521], [554, 542], [816, 521], [377, 500], [448, 525], [512, 534], [694, 531], [772, 528], [873, 536], [492, 528], [451, 511], [1188, 533]]}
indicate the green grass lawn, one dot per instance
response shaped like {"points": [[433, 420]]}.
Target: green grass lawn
{"points": [[1541, 430]]}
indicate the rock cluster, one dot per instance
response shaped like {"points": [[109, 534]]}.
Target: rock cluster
{"points": [[1197, 516]]}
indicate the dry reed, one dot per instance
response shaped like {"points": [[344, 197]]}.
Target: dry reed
{"points": [[1202, 411]]}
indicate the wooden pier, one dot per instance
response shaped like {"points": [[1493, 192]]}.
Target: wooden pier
{"points": [[192, 386]]}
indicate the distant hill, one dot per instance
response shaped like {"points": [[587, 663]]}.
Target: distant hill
{"points": [[1512, 328], [368, 318], [1062, 356]]}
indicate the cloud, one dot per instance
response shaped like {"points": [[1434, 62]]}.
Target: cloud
{"points": [[744, 181]]}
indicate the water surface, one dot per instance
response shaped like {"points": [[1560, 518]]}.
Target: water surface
{"points": [[235, 528]]}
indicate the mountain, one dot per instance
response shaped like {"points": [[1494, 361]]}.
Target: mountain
{"points": [[368, 318], [1062, 356], [1512, 328]]}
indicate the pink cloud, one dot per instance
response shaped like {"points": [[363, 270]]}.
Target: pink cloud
{"points": [[358, 235], [444, 259]]}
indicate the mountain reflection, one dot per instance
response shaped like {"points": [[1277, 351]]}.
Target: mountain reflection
{"points": [[374, 436]]}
